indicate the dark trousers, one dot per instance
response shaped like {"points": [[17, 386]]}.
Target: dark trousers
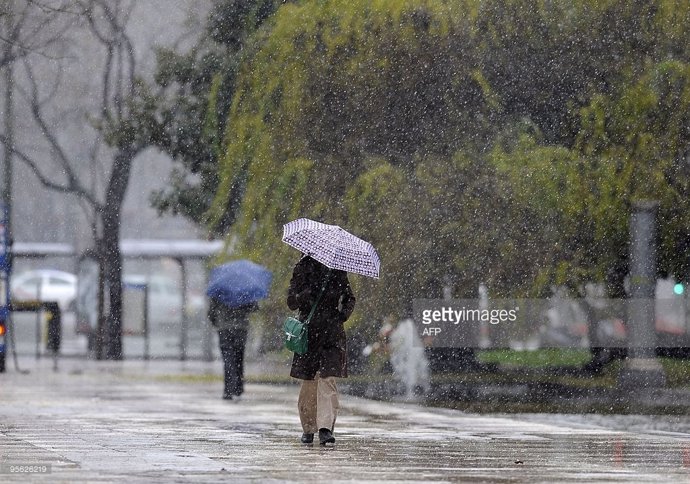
{"points": [[232, 342]]}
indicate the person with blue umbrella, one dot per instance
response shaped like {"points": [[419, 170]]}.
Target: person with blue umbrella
{"points": [[234, 290]]}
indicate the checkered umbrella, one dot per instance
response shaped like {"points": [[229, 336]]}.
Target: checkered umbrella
{"points": [[333, 246]]}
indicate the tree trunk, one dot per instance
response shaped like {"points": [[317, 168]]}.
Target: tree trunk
{"points": [[112, 258], [112, 261]]}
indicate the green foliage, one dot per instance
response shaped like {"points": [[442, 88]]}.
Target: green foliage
{"points": [[232, 21], [643, 132], [190, 116], [470, 141], [385, 214], [343, 90]]}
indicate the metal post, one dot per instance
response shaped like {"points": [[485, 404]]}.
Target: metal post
{"points": [[641, 368], [9, 140], [681, 303], [146, 323], [684, 307], [99, 343], [5, 268], [185, 321], [483, 337], [7, 184], [39, 318], [207, 335]]}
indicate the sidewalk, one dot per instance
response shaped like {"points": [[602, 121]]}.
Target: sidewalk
{"points": [[164, 422]]}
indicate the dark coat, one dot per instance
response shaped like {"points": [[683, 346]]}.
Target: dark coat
{"points": [[327, 351], [223, 317]]}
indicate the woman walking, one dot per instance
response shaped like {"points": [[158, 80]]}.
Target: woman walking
{"points": [[312, 284]]}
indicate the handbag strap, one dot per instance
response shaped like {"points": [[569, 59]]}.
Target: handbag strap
{"points": [[318, 299]]}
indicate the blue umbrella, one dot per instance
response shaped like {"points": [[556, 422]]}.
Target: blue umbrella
{"points": [[238, 283]]}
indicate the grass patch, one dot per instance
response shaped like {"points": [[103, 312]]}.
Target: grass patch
{"points": [[192, 378], [271, 379], [536, 358], [677, 372], [530, 375]]}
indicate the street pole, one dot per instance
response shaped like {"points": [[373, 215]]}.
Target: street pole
{"points": [[641, 369], [9, 136], [39, 318], [147, 343], [8, 77], [184, 322], [207, 337]]}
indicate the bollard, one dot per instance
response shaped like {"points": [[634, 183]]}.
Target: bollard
{"points": [[54, 327]]}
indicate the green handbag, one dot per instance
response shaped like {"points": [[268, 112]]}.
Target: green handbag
{"points": [[295, 331], [296, 335]]}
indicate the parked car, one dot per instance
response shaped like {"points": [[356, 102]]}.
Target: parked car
{"points": [[46, 285]]}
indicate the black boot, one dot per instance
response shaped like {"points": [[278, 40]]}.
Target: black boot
{"points": [[307, 438], [326, 437]]}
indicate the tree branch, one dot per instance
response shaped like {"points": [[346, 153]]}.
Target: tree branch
{"points": [[117, 44], [35, 106], [47, 182], [32, 28]]}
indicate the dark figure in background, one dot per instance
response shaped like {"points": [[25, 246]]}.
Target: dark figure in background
{"points": [[326, 356], [232, 325]]}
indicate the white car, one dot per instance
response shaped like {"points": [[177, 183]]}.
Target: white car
{"points": [[46, 285]]}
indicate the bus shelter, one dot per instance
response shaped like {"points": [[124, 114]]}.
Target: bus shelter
{"points": [[164, 307]]}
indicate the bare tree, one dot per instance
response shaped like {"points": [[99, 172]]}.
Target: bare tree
{"points": [[29, 26], [117, 139], [26, 27]]}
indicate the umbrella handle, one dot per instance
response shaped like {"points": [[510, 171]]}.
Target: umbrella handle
{"points": [[318, 299]]}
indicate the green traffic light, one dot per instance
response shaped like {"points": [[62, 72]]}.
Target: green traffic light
{"points": [[679, 289]]}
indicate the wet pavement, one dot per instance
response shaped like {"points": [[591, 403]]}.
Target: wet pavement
{"points": [[164, 422]]}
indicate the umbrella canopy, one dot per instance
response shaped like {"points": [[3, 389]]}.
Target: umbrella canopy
{"points": [[238, 283], [333, 246]]}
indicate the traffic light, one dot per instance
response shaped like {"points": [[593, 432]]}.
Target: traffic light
{"points": [[678, 289]]}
